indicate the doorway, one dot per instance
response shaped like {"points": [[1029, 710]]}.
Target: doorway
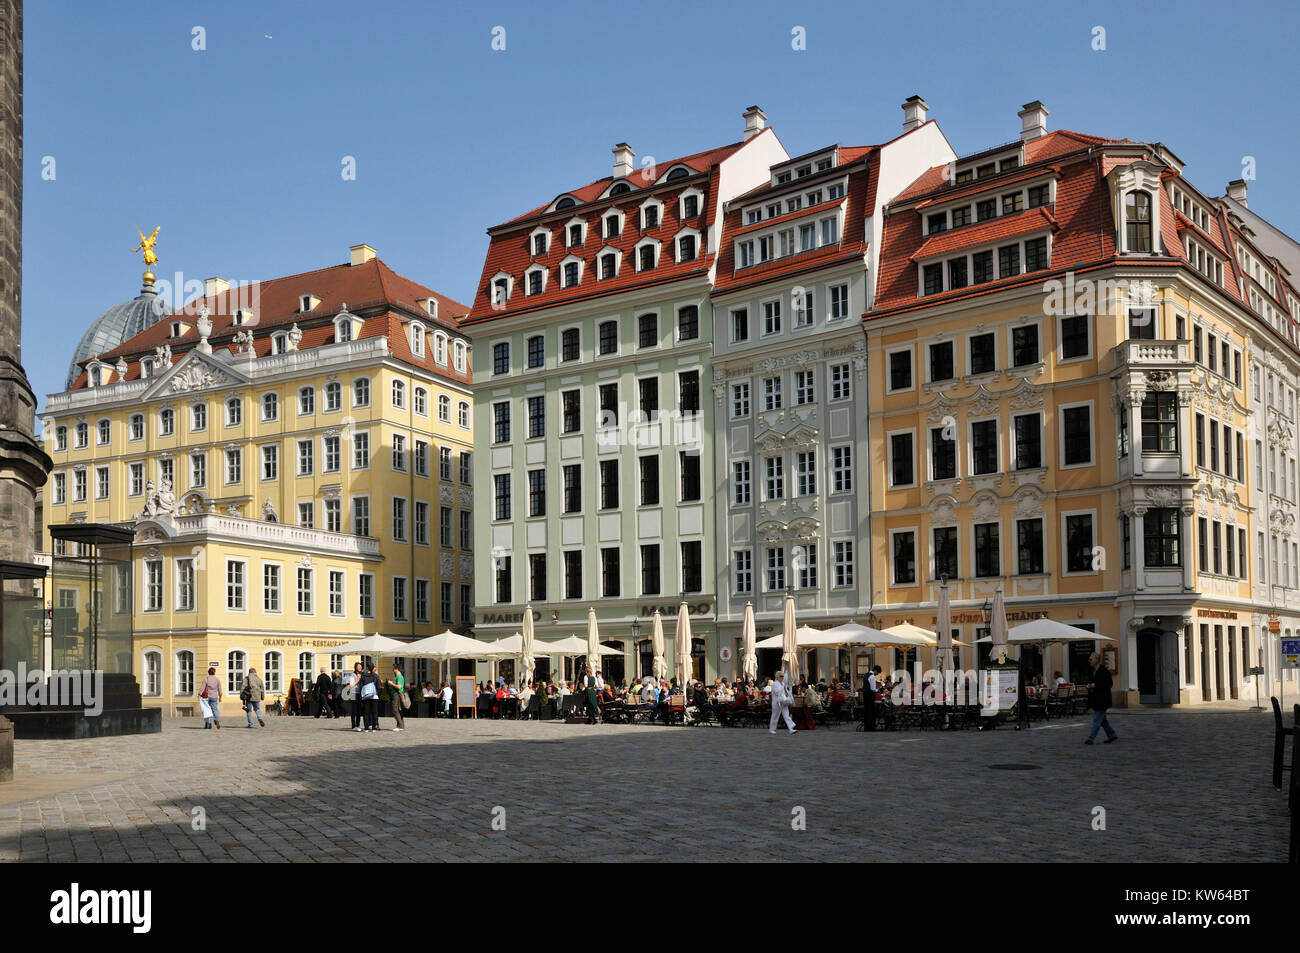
{"points": [[613, 667], [1148, 666], [1205, 663]]}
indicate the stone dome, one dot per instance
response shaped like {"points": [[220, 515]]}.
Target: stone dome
{"points": [[119, 323]]}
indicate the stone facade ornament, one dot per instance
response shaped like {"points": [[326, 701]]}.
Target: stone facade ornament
{"points": [[268, 511], [1163, 496], [1024, 395], [983, 402], [121, 368], [467, 567], [196, 375], [162, 357], [243, 342], [295, 336]]}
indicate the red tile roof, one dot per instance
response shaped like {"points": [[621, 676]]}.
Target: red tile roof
{"points": [[510, 251], [372, 290], [996, 229]]}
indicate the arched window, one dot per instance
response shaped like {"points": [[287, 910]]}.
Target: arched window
{"points": [[361, 392], [343, 332], [399, 394], [460, 356], [421, 398], [151, 674], [463, 414], [236, 663], [306, 669], [274, 667], [444, 408], [184, 672], [1137, 216], [61, 434], [440, 349]]}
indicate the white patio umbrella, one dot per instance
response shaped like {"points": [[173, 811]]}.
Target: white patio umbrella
{"points": [[527, 661], [660, 665], [375, 645], [569, 646], [1048, 631], [805, 637], [748, 635], [943, 655], [998, 627], [450, 644], [593, 643], [682, 644], [789, 641]]}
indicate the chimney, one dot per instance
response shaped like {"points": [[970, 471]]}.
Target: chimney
{"points": [[1237, 192], [1033, 121], [361, 254], [215, 286], [623, 160], [755, 120], [914, 111]]}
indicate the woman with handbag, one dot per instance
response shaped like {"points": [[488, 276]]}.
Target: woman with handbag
{"points": [[353, 693], [210, 699], [399, 698]]}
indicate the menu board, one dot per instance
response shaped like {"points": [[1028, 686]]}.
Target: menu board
{"points": [[465, 694], [1001, 691]]}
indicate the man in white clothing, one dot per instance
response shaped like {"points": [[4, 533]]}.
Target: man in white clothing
{"points": [[780, 703]]}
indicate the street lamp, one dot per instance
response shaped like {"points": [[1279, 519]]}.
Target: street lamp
{"points": [[636, 642], [987, 609]]}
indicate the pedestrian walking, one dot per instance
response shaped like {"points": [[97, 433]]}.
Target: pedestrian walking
{"points": [[1099, 699], [337, 701], [251, 694], [353, 691], [399, 698], [780, 703], [210, 699], [324, 695], [370, 698]]}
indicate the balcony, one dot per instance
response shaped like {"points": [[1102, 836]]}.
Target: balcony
{"points": [[1152, 353], [283, 535]]}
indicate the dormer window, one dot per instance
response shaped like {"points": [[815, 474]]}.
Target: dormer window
{"points": [[647, 255], [539, 245], [613, 226], [622, 188], [566, 202], [241, 317], [1137, 221], [575, 233], [679, 172], [536, 280], [459, 356], [501, 286], [686, 247], [417, 339], [608, 265], [279, 343], [343, 331], [177, 329], [307, 302], [440, 349], [651, 214], [570, 272], [430, 307], [690, 204]]}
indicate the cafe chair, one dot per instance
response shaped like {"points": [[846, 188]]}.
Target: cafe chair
{"points": [[1280, 734]]}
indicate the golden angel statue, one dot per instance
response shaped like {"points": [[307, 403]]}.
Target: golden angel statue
{"points": [[146, 246]]}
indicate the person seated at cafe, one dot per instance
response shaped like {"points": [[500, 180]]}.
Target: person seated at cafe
{"points": [[1058, 680], [812, 702], [444, 695]]}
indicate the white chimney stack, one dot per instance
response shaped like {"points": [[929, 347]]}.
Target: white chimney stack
{"points": [[623, 160], [1237, 192], [360, 254], [1033, 121], [914, 111], [755, 120], [215, 286]]}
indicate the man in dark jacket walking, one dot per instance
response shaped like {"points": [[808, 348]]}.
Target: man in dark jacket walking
{"points": [[1099, 699], [325, 695]]}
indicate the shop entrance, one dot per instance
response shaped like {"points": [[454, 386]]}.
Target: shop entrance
{"points": [[1148, 666]]}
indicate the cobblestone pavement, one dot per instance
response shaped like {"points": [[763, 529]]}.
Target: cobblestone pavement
{"points": [[1178, 786]]}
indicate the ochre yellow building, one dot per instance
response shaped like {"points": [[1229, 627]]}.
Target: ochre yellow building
{"points": [[295, 457]]}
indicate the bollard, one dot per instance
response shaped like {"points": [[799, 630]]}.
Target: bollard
{"points": [[6, 749]]}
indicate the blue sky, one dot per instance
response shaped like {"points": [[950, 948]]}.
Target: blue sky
{"points": [[237, 150]]}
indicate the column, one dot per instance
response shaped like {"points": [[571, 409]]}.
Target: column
{"points": [[1137, 532], [1184, 547]]}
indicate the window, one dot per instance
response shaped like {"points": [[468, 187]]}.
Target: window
{"points": [[399, 598], [1162, 538], [649, 473], [805, 473], [1076, 435], [101, 483], [501, 422], [153, 585], [900, 370], [607, 395], [166, 425], [805, 387], [235, 585], [1029, 546], [771, 393], [136, 431], [1141, 324], [984, 447], [988, 552], [571, 411], [536, 351], [1028, 441], [693, 566], [234, 466], [573, 574], [901, 464], [361, 392], [801, 301], [306, 601], [840, 385], [686, 248], [775, 569], [648, 395], [945, 552], [740, 325], [841, 469], [1039, 195], [366, 595], [236, 661], [573, 488], [360, 450], [740, 482], [466, 531], [399, 395], [536, 416], [1074, 337], [501, 484], [198, 470], [689, 468], [501, 358], [842, 552], [772, 317], [361, 516], [333, 516], [1160, 424], [740, 400], [399, 519], [61, 487], [1078, 542], [570, 344], [648, 330], [742, 561], [536, 492], [607, 338], [688, 323], [1024, 345], [775, 479], [466, 468], [306, 457], [1008, 261], [1036, 254], [185, 672], [306, 401], [941, 361], [1137, 221], [646, 258], [982, 357], [609, 484]]}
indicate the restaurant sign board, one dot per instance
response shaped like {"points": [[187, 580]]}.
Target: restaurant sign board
{"points": [[1001, 689]]}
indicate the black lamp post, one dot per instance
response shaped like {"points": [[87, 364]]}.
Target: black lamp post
{"points": [[636, 641]]}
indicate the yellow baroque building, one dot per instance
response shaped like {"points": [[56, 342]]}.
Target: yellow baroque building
{"points": [[295, 457]]}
